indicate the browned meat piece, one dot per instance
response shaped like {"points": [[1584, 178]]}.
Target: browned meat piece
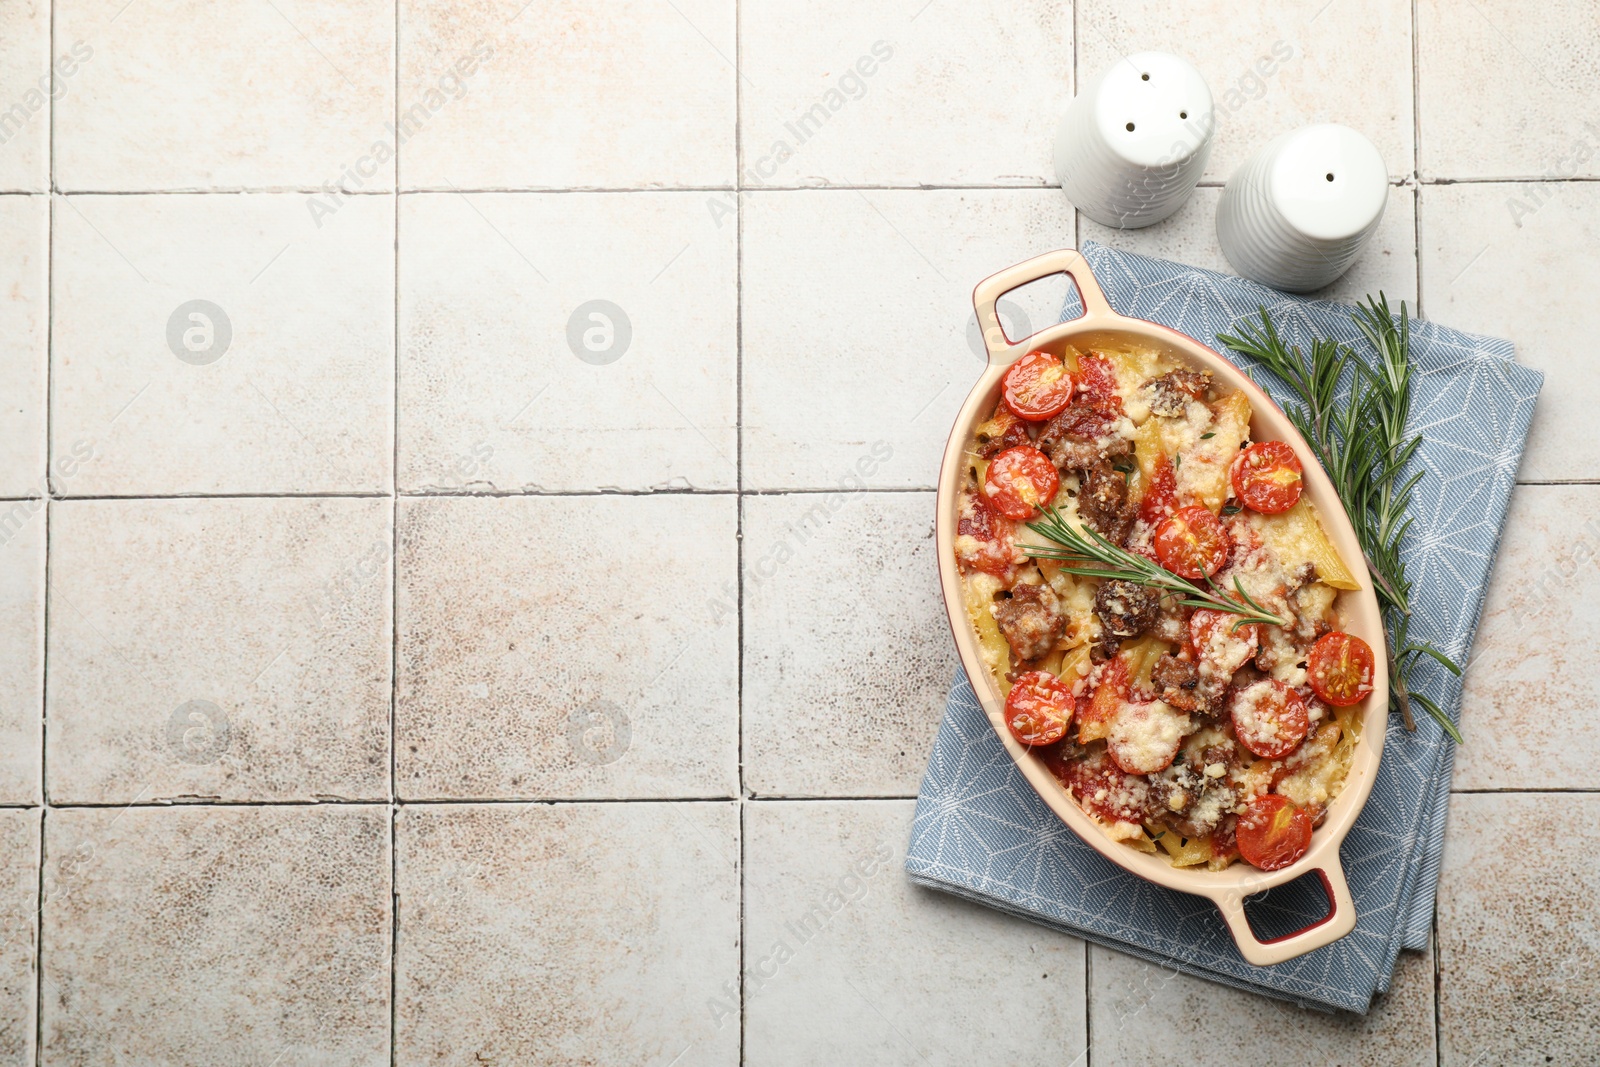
{"points": [[1103, 502], [1170, 625], [1126, 609], [1031, 620], [1001, 432], [1178, 683], [1172, 392], [1081, 436]]}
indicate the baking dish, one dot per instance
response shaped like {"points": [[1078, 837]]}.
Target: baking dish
{"points": [[1100, 325]]}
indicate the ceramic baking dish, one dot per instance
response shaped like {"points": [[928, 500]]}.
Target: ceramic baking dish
{"points": [[1100, 325]]}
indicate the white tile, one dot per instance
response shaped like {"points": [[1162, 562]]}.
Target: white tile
{"points": [[19, 934], [235, 935], [555, 647], [1518, 938], [842, 93], [197, 94], [856, 306], [236, 649], [847, 962], [610, 94], [1135, 1008], [1504, 259], [508, 381], [282, 383], [1529, 670], [594, 933], [1504, 91], [1274, 67], [1388, 264], [848, 657], [27, 82], [22, 552], [24, 327]]}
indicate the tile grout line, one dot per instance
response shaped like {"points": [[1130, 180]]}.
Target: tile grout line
{"points": [[44, 612], [738, 475], [426, 802], [1416, 152], [394, 598], [276, 190]]}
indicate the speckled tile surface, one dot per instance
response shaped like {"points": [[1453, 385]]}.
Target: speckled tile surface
{"points": [[574, 678], [465, 586], [161, 688], [1518, 940], [259, 935], [19, 934], [24, 326], [573, 933]]}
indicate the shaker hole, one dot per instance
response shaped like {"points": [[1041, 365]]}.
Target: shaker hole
{"points": [[1330, 176], [1144, 77], [1183, 114], [1130, 127]]}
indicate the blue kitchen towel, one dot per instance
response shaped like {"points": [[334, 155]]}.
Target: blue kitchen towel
{"points": [[981, 832]]}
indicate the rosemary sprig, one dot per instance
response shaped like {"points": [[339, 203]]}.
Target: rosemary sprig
{"points": [[1084, 551], [1363, 446]]}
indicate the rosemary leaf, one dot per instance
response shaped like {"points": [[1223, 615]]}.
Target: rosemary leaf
{"points": [[1363, 446], [1083, 551]]}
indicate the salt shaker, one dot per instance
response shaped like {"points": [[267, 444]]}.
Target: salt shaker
{"points": [[1296, 214], [1134, 142]]}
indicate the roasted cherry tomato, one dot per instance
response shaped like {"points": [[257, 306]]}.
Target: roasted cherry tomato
{"points": [[1038, 708], [1105, 791], [1269, 718], [1021, 480], [1266, 477], [1192, 543], [1160, 498], [1037, 386], [984, 538], [1098, 382], [1145, 737], [1217, 638], [1273, 833], [1097, 709], [1340, 668]]}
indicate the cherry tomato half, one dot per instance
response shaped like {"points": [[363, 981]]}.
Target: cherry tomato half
{"points": [[1266, 477], [1105, 791], [1145, 737], [1020, 481], [1098, 708], [984, 538], [1340, 668], [1099, 382], [1269, 718], [1160, 498], [1037, 386], [1216, 643], [1038, 708], [1273, 833], [1191, 543]]}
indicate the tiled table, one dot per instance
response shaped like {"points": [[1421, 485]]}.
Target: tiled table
{"points": [[482, 600]]}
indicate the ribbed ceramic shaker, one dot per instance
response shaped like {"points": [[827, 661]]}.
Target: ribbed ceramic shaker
{"points": [[1296, 214], [1133, 143]]}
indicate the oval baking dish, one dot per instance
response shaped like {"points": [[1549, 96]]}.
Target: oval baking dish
{"points": [[1101, 326]]}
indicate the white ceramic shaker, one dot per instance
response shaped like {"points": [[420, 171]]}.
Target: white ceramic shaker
{"points": [[1296, 214], [1134, 141]]}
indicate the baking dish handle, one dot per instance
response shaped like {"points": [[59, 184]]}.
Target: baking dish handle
{"points": [[1068, 261], [1340, 920]]}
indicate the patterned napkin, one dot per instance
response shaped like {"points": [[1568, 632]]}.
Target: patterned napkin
{"points": [[981, 832]]}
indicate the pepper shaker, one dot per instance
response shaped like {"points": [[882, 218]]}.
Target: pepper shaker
{"points": [[1296, 214], [1134, 142]]}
